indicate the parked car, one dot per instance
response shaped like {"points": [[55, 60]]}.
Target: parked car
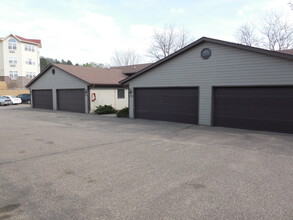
{"points": [[5, 101], [13, 99], [25, 98]]}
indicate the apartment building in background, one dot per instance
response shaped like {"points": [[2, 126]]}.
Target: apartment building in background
{"points": [[19, 60]]}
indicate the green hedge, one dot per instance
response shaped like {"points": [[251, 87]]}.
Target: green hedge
{"points": [[123, 113], [105, 109]]}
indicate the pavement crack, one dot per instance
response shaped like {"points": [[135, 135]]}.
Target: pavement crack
{"points": [[176, 133], [62, 152]]}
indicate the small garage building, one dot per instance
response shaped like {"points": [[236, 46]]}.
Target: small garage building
{"points": [[214, 82], [78, 88]]}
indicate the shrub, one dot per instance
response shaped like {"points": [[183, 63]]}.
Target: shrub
{"points": [[123, 113], [105, 109]]}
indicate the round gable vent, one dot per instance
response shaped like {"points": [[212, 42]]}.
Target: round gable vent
{"points": [[206, 53], [53, 71]]}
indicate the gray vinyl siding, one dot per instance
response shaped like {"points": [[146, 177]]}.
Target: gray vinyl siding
{"points": [[60, 80], [227, 66]]}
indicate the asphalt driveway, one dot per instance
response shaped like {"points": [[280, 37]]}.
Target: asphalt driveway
{"points": [[61, 165]]}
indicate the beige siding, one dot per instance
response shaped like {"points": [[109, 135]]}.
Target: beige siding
{"points": [[1, 59], [60, 80], [21, 56], [108, 96], [227, 66]]}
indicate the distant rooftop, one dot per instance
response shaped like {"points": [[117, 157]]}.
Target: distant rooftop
{"points": [[25, 40], [290, 51], [130, 69], [35, 41]]}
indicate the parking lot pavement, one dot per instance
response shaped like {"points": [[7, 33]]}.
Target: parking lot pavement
{"points": [[61, 165]]}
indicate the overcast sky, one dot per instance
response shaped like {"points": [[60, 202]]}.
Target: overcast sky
{"points": [[91, 30]]}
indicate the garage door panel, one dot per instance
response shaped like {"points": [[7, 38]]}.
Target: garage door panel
{"points": [[72, 100], [257, 124], [256, 91], [254, 112], [42, 99], [257, 108], [165, 107], [165, 99], [167, 116], [167, 104], [254, 101]]}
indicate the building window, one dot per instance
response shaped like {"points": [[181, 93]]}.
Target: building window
{"points": [[13, 75], [30, 75], [121, 93], [12, 61], [29, 62], [28, 47], [11, 44]]}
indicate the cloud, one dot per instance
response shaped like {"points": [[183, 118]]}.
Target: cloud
{"points": [[82, 37], [141, 30], [87, 31], [282, 5], [257, 9], [177, 10], [141, 36], [99, 25], [246, 9]]}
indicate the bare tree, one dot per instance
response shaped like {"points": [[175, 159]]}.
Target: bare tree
{"points": [[275, 34], [94, 64], [125, 58], [291, 4], [246, 34], [168, 41], [278, 32]]}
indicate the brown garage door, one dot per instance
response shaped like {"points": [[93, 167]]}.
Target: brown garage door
{"points": [[167, 104], [257, 108], [42, 99], [72, 100]]}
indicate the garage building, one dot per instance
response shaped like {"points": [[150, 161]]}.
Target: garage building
{"points": [[78, 88], [219, 83]]}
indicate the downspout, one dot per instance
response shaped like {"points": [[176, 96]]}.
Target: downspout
{"points": [[128, 91], [89, 98]]}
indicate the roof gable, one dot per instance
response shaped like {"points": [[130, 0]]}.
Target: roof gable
{"points": [[90, 75], [24, 40], [210, 40]]}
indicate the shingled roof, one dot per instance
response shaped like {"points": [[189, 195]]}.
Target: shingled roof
{"points": [[25, 40], [95, 76], [290, 51], [130, 69], [34, 41]]}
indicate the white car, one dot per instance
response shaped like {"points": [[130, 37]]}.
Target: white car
{"points": [[13, 99]]}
